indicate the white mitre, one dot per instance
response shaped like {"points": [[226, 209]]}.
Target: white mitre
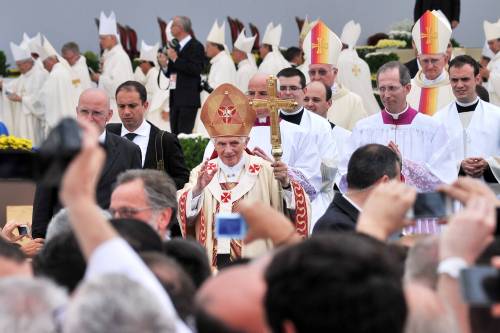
{"points": [[350, 34], [20, 52]]}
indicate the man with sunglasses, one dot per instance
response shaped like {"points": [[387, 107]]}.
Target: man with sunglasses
{"points": [[430, 88], [322, 49]]}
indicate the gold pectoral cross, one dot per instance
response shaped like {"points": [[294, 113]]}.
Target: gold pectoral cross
{"points": [[273, 104]]}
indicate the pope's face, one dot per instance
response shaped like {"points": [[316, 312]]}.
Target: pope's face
{"points": [[131, 109], [392, 93], [463, 82], [432, 64], [324, 73], [230, 149]]}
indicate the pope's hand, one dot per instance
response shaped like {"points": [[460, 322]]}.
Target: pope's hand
{"points": [[281, 173], [205, 176]]}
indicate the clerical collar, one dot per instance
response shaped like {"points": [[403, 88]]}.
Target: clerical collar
{"points": [[142, 130], [467, 107], [292, 117], [440, 78], [231, 174], [403, 118]]}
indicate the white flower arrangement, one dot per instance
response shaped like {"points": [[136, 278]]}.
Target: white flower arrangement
{"points": [[192, 136]]}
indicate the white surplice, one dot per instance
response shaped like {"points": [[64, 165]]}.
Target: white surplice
{"points": [[246, 69], [80, 74], [481, 138], [22, 118], [273, 62], [222, 70], [116, 69], [493, 84]]}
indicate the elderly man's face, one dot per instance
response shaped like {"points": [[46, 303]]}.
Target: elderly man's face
{"points": [[49, 63], [257, 89], [107, 42], [93, 106], [432, 64], [324, 73], [25, 66], [230, 148], [71, 56]]}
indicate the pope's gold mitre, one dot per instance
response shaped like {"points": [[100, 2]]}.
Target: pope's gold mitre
{"points": [[226, 112]]}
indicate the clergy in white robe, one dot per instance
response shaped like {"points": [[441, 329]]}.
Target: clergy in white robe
{"points": [[116, 64], [420, 140], [347, 107], [19, 95], [492, 32], [292, 86], [472, 125], [272, 59], [242, 55], [79, 69], [430, 88], [216, 186]]}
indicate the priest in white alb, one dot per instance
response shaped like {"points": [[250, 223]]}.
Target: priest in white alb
{"points": [[272, 59], [300, 152], [472, 124], [58, 97], [420, 140], [218, 185], [19, 95], [80, 71], [322, 50], [222, 69], [242, 55], [116, 65], [492, 72], [354, 73], [430, 88], [149, 74]]}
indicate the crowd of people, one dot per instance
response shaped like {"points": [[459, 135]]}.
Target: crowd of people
{"points": [[323, 178]]}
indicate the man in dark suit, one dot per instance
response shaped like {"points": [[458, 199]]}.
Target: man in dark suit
{"points": [[450, 8], [369, 165], [160, 150], [121, 155], [184, 68]]}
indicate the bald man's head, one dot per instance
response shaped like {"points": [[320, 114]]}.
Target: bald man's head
{"points": [[318, 98], [257, 88], [93, 106]]}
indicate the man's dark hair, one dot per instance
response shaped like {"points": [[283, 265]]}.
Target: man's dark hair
{"points": [[292, 52], [70, 46], [461, 60], [140, 235], [61, 260], [178, 285], [369, 163], [335, 283], [293, 72], [133, 86], [11, 251], [191, 256]]}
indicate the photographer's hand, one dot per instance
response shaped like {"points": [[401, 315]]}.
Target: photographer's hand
{"points": [[7, 231]]}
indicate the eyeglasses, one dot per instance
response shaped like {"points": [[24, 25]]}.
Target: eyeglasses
{"points": [[93, 114], [291, 88], [320, 72], [390, 89], [127, 212]]}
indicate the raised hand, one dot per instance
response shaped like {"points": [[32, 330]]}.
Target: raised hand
{"points": [[7, 231], [205, 176]]}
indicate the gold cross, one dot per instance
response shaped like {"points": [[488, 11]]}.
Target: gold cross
{"points": [[273, 104], [429, 35], [356, 70], [320, 45]]}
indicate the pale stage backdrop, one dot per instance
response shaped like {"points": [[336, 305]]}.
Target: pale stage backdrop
{"points": [[69, 20]]}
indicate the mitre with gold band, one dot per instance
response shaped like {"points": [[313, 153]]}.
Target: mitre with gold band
{"points": [[226, 112], [431, 33], [321, 45]]}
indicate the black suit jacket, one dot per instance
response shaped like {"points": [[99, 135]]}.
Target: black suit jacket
{"points": [[341, 215], [450, 8], [173, 156], [188, 67], [121, 155]]}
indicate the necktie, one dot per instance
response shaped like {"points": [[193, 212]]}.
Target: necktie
{"points": [[130, 136]]}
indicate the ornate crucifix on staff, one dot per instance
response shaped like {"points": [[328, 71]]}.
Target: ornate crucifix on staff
{"points": [[273, 104]]}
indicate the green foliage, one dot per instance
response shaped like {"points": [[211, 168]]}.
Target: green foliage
{"points": [[454, 43], [193, 147], [377, 59], [92, 60], [363, 51], [4, 66]]}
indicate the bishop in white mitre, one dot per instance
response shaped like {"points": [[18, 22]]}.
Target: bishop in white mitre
{"points": [[472, 124], [272, 59], [149, 74], [492, 32], [242, 55], [19, 96], [430, 88], [232, 175], [354, 73], [116, 65]]}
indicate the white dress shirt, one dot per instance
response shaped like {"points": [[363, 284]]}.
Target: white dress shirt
{"points": [[142, 138]]}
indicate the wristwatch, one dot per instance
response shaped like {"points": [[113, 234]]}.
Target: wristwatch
{"points": [[452, 266]]}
